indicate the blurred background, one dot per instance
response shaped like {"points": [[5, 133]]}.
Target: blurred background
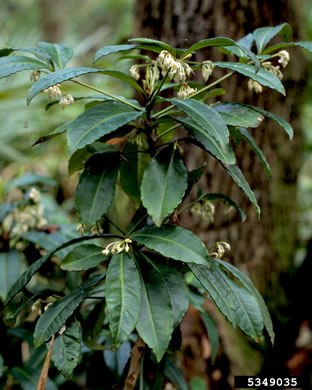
{"points": [[275, 252]]}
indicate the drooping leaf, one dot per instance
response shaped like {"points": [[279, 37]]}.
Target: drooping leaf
{"points": [[34, 267], [58, 131], [96, 187], [174, 242], [210, 42], [70, 73], [263, 76], [67, 348], [236, 114], [193, 178], [155, 323], [56, 315], [208, 141], [175, 284], [13, 64], [212, 334], [39, 53], [116, 360], [123, 296], [104, 51], [238, 305], [79, 158], [285, 125], [83, 257], [247, 283], [246, 42], [131, 171], [59, 53], [239, 178], [97, 122], [249, 138], [263, 35], [148, 41], [168, 171], [209, 127], [10, 270], [282, 45]]}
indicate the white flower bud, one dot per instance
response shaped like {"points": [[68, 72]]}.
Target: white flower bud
{"points": [[254, 86], [134, 71], [66, 100], [207, 68], [34, 195], [284, 58]]}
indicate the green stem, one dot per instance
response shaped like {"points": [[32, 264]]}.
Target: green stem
{"points": [[107, 94], [165, 110], [167, 131], [115, 226], [138, 223]]}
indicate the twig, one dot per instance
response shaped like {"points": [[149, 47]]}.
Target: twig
{"points": [[134, 368]]}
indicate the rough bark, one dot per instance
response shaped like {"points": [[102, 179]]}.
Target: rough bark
{"points": [[264, 249]]}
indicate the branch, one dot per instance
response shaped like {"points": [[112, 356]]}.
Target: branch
{"points": [[134, 368]]}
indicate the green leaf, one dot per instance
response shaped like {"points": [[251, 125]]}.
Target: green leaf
{"points": [[131, 171], [28, 378], [10, 270], [209, 127], [174, 242], [13, 64], [70, 73], [104, 51], [31, 270], [263, 35], [58, 131], [30, 179], [304, 45], [238, 305], [147, 41], [56, 315], [212, 334], [97, 122], [249, 138], [116, 360], [6, 51], [216, 42], [83, 257], [236, 114], [239, 178], [198, 383], [285, 125], [245, 42], [168, 171], [79, 158], [66, 349], [1, 366], [208, 141], [59, 53], [247, 283], [155, 323], [175, 284], [123, 296], [263, 76], [96, 187], [175, 374]]}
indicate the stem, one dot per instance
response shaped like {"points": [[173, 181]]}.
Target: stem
{"points": [[107, 94], [190, 204], [165, 110], [135, 226], [134, 368], [115, 226], [167, 131]]}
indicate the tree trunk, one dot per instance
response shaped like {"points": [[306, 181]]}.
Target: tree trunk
{"points": [[264, 248]]}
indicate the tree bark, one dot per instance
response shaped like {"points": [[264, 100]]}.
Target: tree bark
{"points": [[264, 248]]}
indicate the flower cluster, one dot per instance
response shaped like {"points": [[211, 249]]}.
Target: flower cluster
{"points": [[55, 91], [284, 58], [207, 68], [152, 75], [35, 76], [177, 70], [220, 248], [24, 217], [117, 247], [66, 100], [254, 86], [205, 209], [273, 69], [185, 91]]}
